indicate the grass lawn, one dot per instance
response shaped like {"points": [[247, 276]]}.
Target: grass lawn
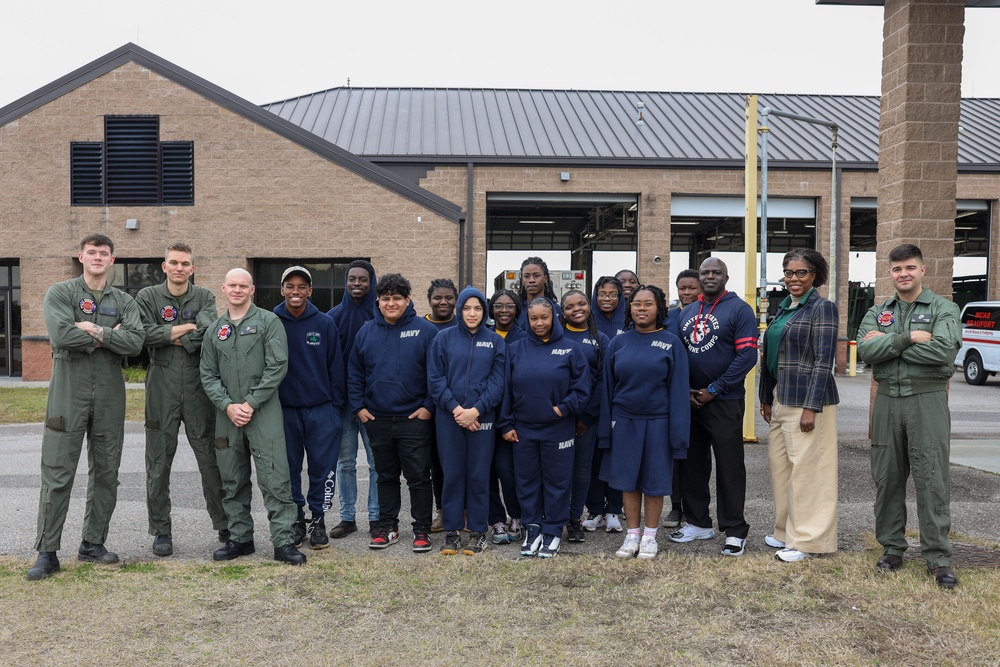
{"points": [[26, 405]]}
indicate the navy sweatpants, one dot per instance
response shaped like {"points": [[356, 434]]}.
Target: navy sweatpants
{"points": [[466, 458], [313, 434], [543, 471], [502, 475]]}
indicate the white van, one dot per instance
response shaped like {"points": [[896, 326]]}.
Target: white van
{"points": [[980, 353]]}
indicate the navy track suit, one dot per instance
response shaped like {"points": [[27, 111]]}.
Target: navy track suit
{"points": [[437, 473], [544, 374], [466, 369], [312, 397], [387, 374], [583, 458], [645, 411], [502, 471], [721, 340], [601, 498]]}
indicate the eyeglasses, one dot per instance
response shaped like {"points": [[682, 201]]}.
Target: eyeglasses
{"points": [[801, 273], [504, 306], [603, 296]]}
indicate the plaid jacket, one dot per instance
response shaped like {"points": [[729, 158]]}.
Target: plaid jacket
{"points": [[806, 357]]}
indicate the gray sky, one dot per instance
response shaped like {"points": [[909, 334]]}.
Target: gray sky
{"points": [[267, 51]]}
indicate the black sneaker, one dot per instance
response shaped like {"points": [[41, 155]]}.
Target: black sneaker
{"points": [[452, 543], [477, 544], [163, 545], [575, 532], [289, 554], [317, 533], [299, 531], [421, 541], [532, 539], [343, 529], [96, 553], [233, 549]]}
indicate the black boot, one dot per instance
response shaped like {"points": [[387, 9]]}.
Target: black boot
{"points": [[289, 554], [233, 549], [45, 566], [96, 553], [163, 545], [224, 535]]}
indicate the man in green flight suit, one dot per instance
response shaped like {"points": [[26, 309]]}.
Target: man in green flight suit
{"points": [[91, 326], [911, 341], [175, 316], [244, 358]]}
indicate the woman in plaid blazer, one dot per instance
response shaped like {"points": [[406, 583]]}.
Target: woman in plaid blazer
{"points": [[798, 398]]}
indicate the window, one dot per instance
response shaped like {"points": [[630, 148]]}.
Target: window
{"points": [[328, 281], [131, 167], [131, 275], [10, 317]]}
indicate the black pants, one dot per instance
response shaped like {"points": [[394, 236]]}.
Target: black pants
{"points": [[716, 427], [401, 445]]}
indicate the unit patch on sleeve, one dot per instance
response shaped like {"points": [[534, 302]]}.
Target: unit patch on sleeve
{"points": [[885, 318], [168, 313]]}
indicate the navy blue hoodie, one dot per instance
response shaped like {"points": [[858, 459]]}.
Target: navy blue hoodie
{"points": [[315, 362], [721, 340], [609, 325], [590, 348], [446, 324], [522, 319], [387, 371], [351, 316], [542, 374], [515, 333], [466, 368]]}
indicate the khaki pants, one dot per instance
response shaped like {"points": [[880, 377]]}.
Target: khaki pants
{"points": [[804, 479]]}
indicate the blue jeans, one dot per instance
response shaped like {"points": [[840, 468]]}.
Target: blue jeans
{"points": [[347, 470]]}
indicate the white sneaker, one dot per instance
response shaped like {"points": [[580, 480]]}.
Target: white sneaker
{"points": [[629, 548], [648, 548], [612, 524], [773, 542], [791, 555], [593, 522], [734, 546], [688, 533]]}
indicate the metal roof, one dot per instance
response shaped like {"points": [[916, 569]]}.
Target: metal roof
{"points": [[595, 126], [132, 53]]}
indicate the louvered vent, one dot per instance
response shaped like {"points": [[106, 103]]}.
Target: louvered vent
{"points": [[132, 159], [87, 173], [178, 172]]}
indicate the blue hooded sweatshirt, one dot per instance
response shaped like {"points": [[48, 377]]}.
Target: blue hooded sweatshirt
{"points": [[590, 348], [542, 374], [315, 362], [350, 316], [646, 377], [466, 368], [721, 339], [387, 372], [609, 325], [515, 333]]}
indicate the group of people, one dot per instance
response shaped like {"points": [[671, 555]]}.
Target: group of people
{"points": [[510, 414]]}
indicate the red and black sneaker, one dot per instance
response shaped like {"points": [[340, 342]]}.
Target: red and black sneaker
{"points": [[421, 541], [383, 539]]}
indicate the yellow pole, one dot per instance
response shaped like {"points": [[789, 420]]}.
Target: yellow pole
{"points": [[852, 363], [750, 242]]}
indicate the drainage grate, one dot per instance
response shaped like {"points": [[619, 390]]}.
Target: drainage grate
{"points": [[963, 555]]}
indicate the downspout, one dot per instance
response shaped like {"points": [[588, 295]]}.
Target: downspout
{"points": [[470, 274]]}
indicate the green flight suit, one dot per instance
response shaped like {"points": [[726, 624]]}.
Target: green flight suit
{"points": [[174, 394], [245, 362], [86, 397], [911, 422]]}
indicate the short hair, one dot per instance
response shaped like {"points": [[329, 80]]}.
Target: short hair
{"points": [[180, 246], [688, 273], [548, 290], [636, 275], [661, 304], [441, 283], [393, 283], [904, 252], [513, 297], [97, 240], [815, 261], [362, 264], [609, 280]]}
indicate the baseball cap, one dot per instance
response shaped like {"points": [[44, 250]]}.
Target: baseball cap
{"points": [[297, 269]]}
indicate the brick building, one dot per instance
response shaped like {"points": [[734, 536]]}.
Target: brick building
{"points": [[429, 182]]}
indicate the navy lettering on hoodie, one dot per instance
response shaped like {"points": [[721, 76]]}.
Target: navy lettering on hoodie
{"points": [[542, 374], [467, 369], [721, 340], [315, 361], [387, 371]]}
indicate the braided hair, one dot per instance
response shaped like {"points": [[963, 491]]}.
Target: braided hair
{"points": [[441, 283], [661, 304], [591, 322], [549, 292]]}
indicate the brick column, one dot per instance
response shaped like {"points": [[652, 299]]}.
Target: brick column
{"points": [[918, 135]]}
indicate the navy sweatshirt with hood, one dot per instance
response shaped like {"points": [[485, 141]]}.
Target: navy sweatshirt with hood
{"points": [[350, 316], [467, 368], [542, 374], [613, 324], [315, 362], [721, 340], [387, 371], [590, 349]]}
